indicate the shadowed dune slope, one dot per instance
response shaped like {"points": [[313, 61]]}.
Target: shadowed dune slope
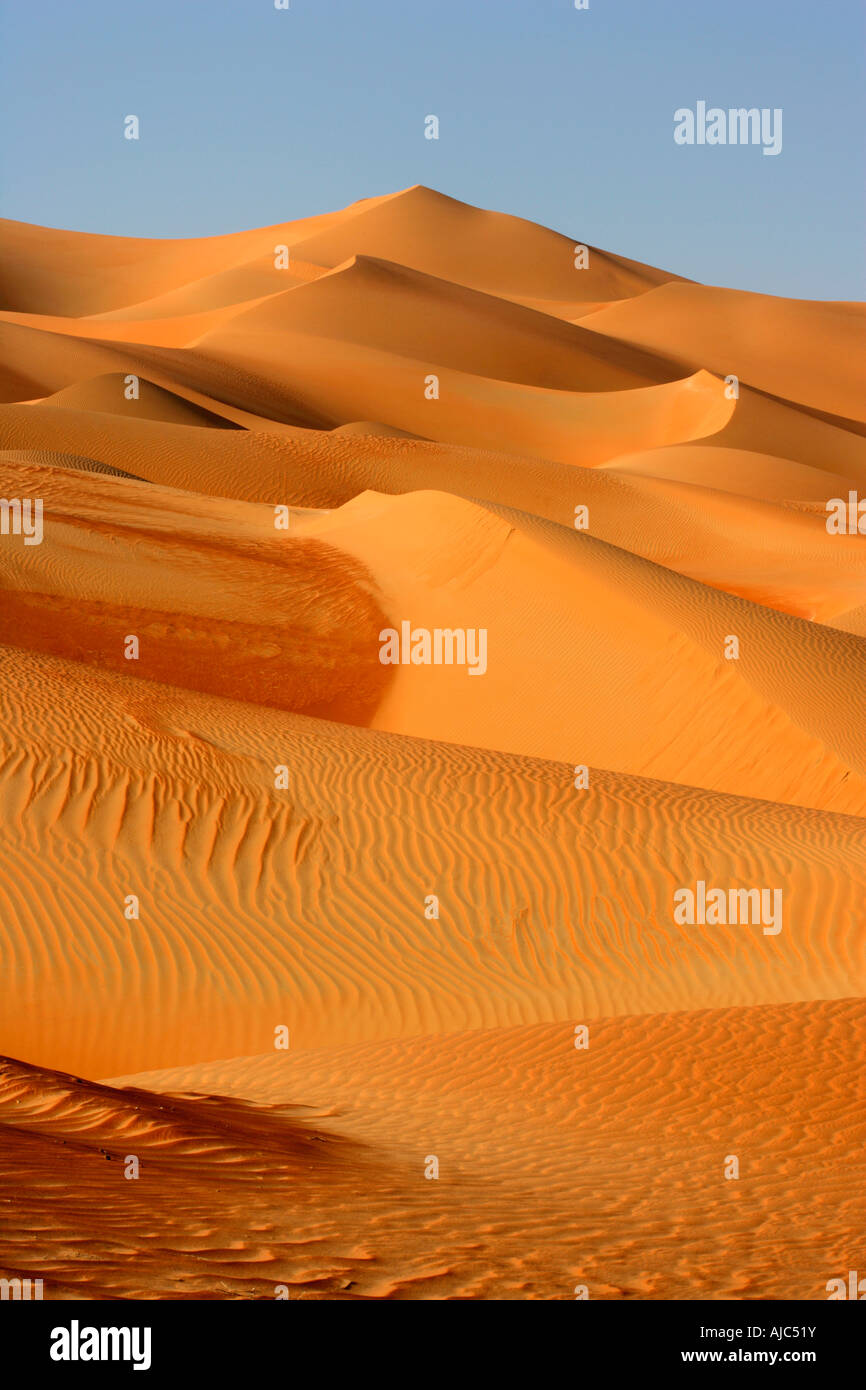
{"points": [[216, 598]]}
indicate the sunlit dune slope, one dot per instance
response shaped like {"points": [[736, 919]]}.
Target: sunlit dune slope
{"points": [[590, 646]]}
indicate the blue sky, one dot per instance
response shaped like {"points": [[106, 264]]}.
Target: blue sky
{"points": [[251, 116]]}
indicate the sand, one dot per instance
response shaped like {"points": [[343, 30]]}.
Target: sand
{"points": [[425, 882]]}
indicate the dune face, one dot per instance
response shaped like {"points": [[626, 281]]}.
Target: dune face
{"points": [[432, 768]]}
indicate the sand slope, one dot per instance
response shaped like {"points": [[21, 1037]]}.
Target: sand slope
{"points": [[305, 905], [558, 1169]]}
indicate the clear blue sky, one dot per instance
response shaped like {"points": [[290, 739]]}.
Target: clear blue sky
{"points": [[251, 116]]}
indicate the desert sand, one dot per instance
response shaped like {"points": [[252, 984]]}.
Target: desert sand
{"points": [[374, 970]]}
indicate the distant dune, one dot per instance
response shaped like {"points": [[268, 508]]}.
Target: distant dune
{"points": [[376, 970]]}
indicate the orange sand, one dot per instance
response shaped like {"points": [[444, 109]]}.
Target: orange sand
{"points": [[301, 904]]}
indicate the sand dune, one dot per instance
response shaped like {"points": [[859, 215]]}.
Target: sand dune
{"points": [[49, 270], [333, 383], [323, 592], [378, 304], [248, 830], [211, 299], [109, 394], [441, 562], [485, 250], [741, 549], [757, 337], [84, 274]]}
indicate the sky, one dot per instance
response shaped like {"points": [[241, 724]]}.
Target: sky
{"points": [[251, 116]]}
